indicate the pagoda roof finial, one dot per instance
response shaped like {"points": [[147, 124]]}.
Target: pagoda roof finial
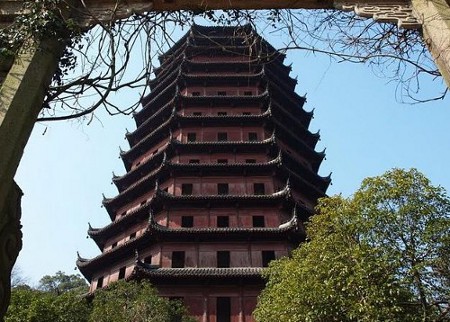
{"points": [[280, 156], [273, 136], [105, 199], [288, 184], [269, 109]]}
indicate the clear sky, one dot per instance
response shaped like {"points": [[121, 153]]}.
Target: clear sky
{"points": [[67, 165]]}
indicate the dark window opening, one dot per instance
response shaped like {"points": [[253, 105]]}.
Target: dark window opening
{"points": [[178, 259], [187, 221], [259, 189], [221, 113], [222, 93], [258, 221], [197, 113], [222, 188], [250, 160], [114, 245], [223, 259], [246, 113], [223, 309], [195, 93], [122, 273], [267, 257], [186, 189], [252, 136], [222, 161], [123, 213], [166, 189], [100, 282], [191, 137], [248, 93], [143, 203], [133, 235], [154, 152], [223, 221], [222, 136], [148, 259], [192, 161], [176, 298], [137, 164]]}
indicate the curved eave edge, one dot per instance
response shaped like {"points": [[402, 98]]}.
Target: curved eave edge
{"points": [[251, 272], [85, 265], [94, 233]]}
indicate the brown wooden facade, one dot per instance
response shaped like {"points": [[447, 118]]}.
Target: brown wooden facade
{"points": [[221, 174]]}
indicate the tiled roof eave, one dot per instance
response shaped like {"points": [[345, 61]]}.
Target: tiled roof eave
{"points": [[145, 139], [133, 172], [137, 133], [151, 177], [277, 195], [130, 216], [223, 231], [201, 272], [263, 142], [150, 99], [313, 177], [252, 62], [206, 144], [226, 97], [223, 76]]}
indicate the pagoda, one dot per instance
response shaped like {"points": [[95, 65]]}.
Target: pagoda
{"points": [[221, 174]]}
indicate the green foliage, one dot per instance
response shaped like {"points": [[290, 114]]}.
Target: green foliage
{"points": [[71, 307], [38, 306], [60, 298], [382, 255], [61, 283], [136, 302], [42, 19]]}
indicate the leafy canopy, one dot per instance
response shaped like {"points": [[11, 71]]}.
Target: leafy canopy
{"points": [[61, 298], [61, 283], [32, 305], [134, 302], [381, 255]]}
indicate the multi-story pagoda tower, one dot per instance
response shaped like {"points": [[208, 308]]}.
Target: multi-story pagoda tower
{"points": [[221, 174]]}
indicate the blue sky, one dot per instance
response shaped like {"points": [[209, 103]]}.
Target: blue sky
{"points": [[364, 129]]}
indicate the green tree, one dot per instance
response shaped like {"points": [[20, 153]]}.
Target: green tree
{"points": [[61, 283], [32, 305], [58, 298], [381, 255], [134, 301], [61, 298]]}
